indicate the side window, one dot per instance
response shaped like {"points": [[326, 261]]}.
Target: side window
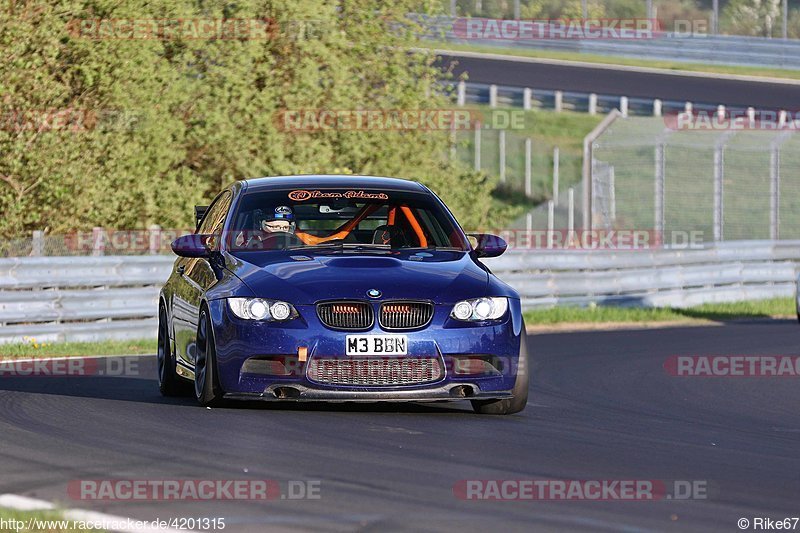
{"points": [[215, 217]]}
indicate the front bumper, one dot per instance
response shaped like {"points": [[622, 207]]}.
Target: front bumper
{"points": [[445, 339], [304, 393]]}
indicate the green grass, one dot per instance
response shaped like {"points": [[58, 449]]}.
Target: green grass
{"points": [[617, 60], [26, 516], [546, 129], [770, 308], [77, 349]]}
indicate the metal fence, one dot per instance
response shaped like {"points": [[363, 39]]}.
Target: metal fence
{"points": [[592, 103], [116, 297], [726, 185]]}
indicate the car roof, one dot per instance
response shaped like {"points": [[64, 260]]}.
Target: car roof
{"points": [[331, 180]]}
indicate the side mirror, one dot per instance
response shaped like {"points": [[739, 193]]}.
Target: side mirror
{"points": [[193, 245], [489, 245], [199, 213]]}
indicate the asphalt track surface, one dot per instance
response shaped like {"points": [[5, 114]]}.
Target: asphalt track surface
{"points": [[601, 407], [709, 90]]}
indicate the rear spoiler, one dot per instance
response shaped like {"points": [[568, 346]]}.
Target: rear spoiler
{"points": [[199, 213]]}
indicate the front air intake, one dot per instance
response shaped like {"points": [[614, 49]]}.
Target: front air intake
{"points": [[400, 315], [347, 315]]}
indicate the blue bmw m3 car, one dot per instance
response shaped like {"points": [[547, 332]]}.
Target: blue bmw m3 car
{"points": [[339, 288]]}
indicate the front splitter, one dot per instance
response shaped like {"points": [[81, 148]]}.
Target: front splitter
{"points": [[300, 393]]}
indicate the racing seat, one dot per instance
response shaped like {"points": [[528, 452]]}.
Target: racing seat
{"points": [[391, 235]]}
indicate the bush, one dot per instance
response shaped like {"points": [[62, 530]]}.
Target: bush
{"points": [[170, 122]]}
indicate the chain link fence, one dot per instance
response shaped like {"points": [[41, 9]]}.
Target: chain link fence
{"points": [[728, 184]]}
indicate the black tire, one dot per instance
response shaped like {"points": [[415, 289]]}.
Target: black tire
{"points": [[206, 381], [520, 390], [797, 306], [169, 383]]}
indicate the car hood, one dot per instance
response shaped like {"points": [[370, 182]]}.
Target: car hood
{"points": [[302, 278]]}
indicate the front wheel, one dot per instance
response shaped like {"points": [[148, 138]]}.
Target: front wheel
{"points": [[206, 382], [797, 302], [520, 391]]}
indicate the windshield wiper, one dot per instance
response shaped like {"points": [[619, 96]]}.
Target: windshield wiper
{"points": [[343, 246]]}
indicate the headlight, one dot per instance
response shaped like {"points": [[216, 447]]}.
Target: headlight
{"points": [[480, 309], [260, 309]]}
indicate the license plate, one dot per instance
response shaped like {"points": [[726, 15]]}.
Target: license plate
{"points": [[377, 345]]}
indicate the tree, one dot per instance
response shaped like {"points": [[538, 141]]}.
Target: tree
{"points": [[165, 123]]}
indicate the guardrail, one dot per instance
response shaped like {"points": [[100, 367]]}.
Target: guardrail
{"points": [[116, 297], [80, 298], [592, 103], [725, 272], [667, 46]]}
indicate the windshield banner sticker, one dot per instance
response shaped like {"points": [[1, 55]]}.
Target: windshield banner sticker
{"points": [[301, 196]]}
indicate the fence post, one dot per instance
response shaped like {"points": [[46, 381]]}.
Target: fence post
{"points": [[477, 146], [526, 98], [478, 7], [719, 172], [714, 17], [688, 108], [559, 101], [453, 139], [593, 104], [774, 192], [657, 107], [155, 239], [550, 222], [501, 142], [517, 10], [555, 174], [462, 93], [587, 168], [623, 105], [570, 216], [493, 95], [37, 243], [721, 112], [751, 116], [98, 241], [785, 19], [612, 193], [453, 11], [528, 163], [658, 219]]}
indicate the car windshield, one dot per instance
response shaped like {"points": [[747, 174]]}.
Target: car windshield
{"points": [[342, 219]]}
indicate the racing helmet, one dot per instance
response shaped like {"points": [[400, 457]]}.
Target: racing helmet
{"points": [[280, 213]]}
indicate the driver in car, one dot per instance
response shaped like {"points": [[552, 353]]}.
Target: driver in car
{"points": [[281, 219], [278, 220]]}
